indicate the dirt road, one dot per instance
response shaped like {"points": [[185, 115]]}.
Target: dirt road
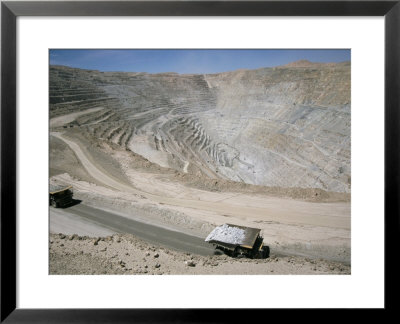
{"points": [[65, 119], [112, 222], [269, 210]]}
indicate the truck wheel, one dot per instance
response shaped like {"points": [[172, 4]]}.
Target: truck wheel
{"points": [[54, 204], [265, 252]]}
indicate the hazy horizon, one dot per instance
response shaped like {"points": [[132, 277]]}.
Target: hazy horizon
{"points": [[189, 61]]}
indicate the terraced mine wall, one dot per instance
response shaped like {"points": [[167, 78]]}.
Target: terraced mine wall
{"points": [[285, 127]]}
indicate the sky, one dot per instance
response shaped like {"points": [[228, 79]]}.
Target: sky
{"points": [[188, 60]]}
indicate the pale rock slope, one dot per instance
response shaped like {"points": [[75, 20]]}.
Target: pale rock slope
{"points": [[286, 126]]}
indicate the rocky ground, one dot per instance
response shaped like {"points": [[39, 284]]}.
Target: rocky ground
{"points": [[127, 255]]}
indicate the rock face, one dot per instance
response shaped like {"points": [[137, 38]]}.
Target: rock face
{"points": [[287, 126]]}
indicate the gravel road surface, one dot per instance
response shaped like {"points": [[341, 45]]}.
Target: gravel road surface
{"points": [[116, 223]]}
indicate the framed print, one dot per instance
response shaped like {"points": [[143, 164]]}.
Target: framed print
{"points": [[161, 160]]}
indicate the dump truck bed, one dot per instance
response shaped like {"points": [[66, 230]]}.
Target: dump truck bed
{"points": [[54, 189], [233, 235]]}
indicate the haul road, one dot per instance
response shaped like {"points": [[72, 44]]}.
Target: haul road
{"points": [[151, 233]]}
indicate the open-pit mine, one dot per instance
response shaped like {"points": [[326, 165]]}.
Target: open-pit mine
{"points": [[267, 148]]}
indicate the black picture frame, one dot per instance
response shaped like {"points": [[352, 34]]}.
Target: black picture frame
{"points": [[11, 10]]}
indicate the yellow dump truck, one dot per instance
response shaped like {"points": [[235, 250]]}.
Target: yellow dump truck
{"points": [[60, 196], [238, 241]]}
